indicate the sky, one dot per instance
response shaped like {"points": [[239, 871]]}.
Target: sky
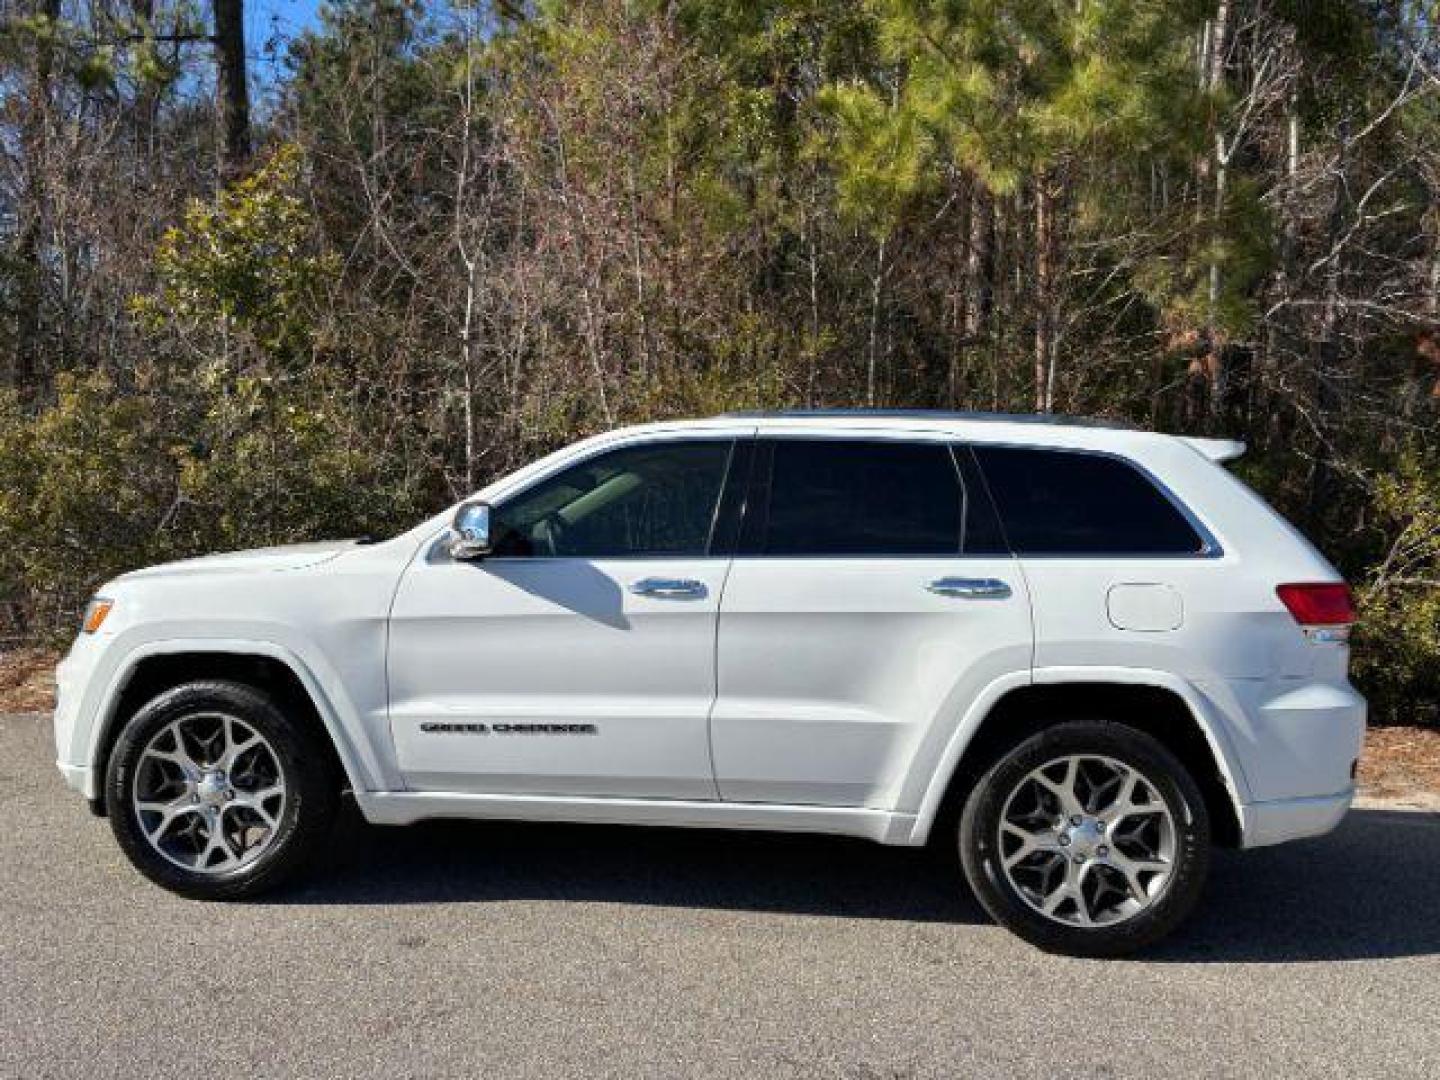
{"points": [[263, 18], [268, 23]]}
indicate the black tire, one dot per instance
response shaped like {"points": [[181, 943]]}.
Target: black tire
{"points": [[980, 846], [310, 802]]}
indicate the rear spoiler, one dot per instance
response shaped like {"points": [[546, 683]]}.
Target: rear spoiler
{"points": [[1217, 450]]}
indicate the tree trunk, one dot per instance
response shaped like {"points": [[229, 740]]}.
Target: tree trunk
{"points": [[32, 210], [1327, 344], [979, 266], [872, 358], [146, 97], [1213, 364], [1005, 215], [232, 89], [1044, 291], [1277, 338]]}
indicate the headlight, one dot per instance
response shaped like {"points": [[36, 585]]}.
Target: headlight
{"points": [[95, 613]]}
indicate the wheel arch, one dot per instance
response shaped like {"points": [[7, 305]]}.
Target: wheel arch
{"points": [[1158, 703], [158, 666]]}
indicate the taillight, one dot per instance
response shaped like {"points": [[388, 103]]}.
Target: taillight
{"points": [[1318, 603]]}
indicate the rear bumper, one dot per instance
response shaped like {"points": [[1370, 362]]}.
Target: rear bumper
{"points": [[1295, 739], [1274, 822], [1296, 743]]}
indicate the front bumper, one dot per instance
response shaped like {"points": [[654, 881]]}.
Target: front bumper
{"points": [[78, 777], [1274, 822], [72, 737]]}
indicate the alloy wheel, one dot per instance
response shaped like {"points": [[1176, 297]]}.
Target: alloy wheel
{"points": [[209, 793], [1087, 840]]}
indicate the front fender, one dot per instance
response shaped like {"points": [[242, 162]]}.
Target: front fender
{"points": [[359, 739]]}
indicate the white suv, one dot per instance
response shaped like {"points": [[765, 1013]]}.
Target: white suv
{"points": [[1079, 653]]}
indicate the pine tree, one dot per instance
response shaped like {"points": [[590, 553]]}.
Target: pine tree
{"points": [[1009, 93]]}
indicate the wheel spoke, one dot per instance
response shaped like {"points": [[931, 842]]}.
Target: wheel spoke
{"points": [[167, 811], [1063, 790], [1131, 869], [1030, 843], [234, 747], [1079, 873], [1125, 803], [1131, 873], [216, 842], [1056, 898], [179, 756], [255, 801]]}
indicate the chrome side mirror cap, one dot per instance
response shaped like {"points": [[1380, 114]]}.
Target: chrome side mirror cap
{"points": [[470, 532]]}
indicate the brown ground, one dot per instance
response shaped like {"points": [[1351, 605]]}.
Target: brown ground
{"points": [[1399, 762], [27, 680]]}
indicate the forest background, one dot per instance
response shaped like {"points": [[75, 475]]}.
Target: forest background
{"points": [[323, 283]]}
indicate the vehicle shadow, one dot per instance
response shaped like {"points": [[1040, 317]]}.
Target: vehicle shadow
{"points": [[1364, 892]]}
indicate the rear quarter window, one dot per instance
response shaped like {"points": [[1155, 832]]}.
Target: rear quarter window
{"points": [[1069, 502]]}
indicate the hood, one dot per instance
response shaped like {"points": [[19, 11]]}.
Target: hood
{"points": [[285, 557]]}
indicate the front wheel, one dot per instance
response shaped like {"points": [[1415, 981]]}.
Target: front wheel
{"points": [[1089, 838], [215, 794]]}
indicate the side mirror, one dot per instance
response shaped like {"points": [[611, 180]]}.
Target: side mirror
{"points": [[470, 532]]}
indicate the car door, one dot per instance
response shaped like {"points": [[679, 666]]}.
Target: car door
{"points": [[870, 600], [579, 657]]}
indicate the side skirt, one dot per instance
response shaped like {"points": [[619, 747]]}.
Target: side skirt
{"points": [[405, 807]]}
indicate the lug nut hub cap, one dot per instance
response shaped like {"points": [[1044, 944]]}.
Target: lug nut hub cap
{"points": [[211, 787], [1085, 839]]}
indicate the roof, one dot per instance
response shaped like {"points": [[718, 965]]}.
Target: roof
{"points": [[1217, 450], [927, 414], [1022, 429]]}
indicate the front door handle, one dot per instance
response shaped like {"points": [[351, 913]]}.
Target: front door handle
{"points": [[970, 588], [669, 588]]}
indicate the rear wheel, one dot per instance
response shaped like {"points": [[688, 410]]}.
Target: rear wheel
{"points": [[213, 793], [1089, 838]]}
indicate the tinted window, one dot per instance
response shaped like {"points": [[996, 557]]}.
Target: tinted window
{"points": [[643, 500], [1056, 502], [834, 497]]}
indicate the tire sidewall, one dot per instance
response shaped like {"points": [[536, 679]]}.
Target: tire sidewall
{"points": [[306, 812], [979, 838]]}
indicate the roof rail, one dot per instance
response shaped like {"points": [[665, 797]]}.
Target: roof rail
{"points": [[927, 414]]}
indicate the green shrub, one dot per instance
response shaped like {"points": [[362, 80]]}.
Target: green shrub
{"points": [[85, 489], [1397, 644]]}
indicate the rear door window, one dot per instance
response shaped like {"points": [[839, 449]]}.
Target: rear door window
{"points": [[839, 497]]}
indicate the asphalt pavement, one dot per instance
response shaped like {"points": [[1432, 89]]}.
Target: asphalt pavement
{"points": [[499, 950]]}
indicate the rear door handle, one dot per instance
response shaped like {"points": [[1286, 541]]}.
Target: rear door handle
{"points": [[669, 588], [970, 588]]}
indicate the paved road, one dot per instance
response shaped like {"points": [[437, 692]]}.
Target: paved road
{"points": [[554, 951]]}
